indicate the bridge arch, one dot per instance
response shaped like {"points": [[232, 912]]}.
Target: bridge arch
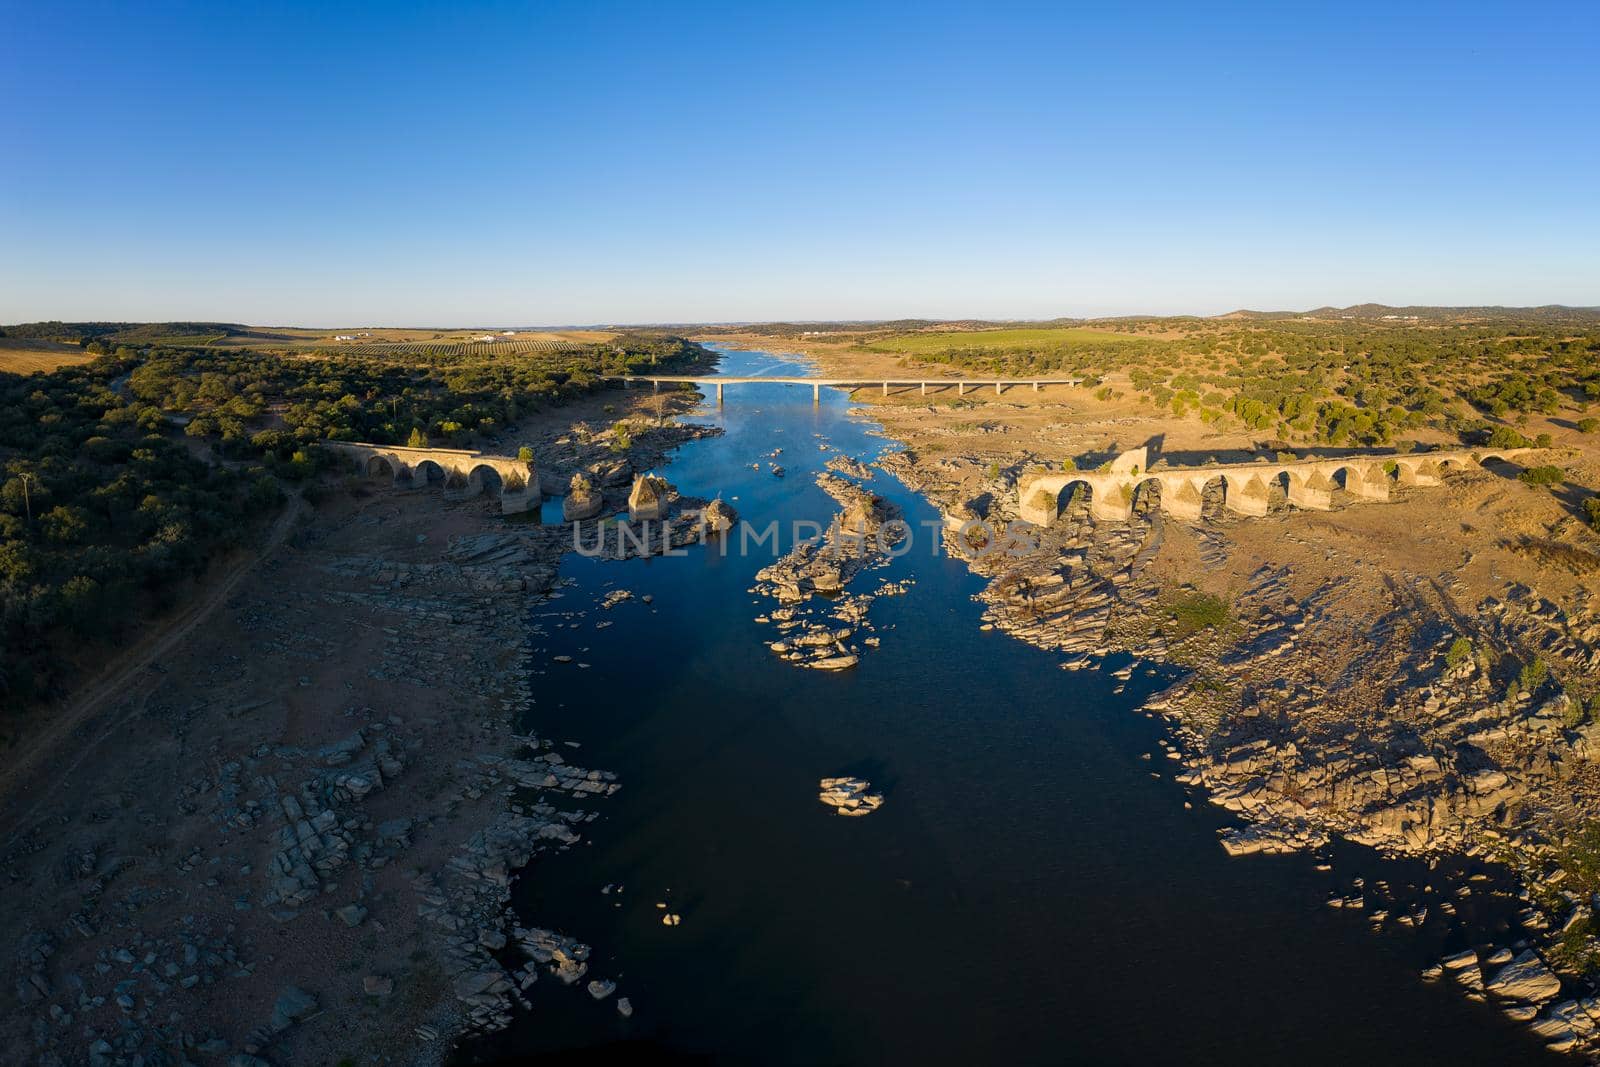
{"points": [[484, 477], [380, 464], [1049, 501], [426, 471], [1147, 494]]}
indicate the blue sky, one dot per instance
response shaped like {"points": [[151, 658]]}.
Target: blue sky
{"points": [[521, 164]]}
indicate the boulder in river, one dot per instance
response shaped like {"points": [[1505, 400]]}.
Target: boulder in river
{"points": [[849, 796], [1527, 978], [718, 517]]}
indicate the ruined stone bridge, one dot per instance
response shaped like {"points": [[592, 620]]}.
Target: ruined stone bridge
{"points": [[1246, 487], [961, 385], [462, 473]]}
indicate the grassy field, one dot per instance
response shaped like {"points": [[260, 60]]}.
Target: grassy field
{"points": [[944, 340], [23, 356]]}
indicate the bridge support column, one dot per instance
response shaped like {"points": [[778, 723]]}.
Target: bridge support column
{"points": [[996, 388], [961, 389], [719, 394], [816, 395], [924, 388], [657, 386], [1417, 474], [1036, 387], [1112, 503], [1368, 486], [1248, 499], [1308, 497], [885, 388], [1185, 506], [516, 501], [1041, 508]]}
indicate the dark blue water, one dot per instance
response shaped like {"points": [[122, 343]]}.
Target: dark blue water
{"points": [[1029, 891]]}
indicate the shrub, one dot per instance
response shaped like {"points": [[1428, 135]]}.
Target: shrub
{"points": [[1589, 425], [1591, 510], [1194, 611], [1533, 675], [1506, 437], [1576, 715], [1543, 475]]}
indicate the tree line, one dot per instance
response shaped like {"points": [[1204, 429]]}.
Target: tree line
{"points": [[120, 479]]}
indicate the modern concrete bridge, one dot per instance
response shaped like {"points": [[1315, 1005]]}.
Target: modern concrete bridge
{"points": [[961, 385], [1308, 483], [414, 468]]}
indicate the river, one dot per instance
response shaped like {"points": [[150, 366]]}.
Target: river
{"points": [[1033, 889]]}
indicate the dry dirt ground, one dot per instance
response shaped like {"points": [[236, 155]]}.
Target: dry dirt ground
{"points": [[304, 781]]}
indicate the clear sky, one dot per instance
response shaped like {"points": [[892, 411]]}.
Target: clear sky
{"points": [[564, 163]]}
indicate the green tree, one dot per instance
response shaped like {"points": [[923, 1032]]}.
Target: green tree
{"points": [[65, 523]]}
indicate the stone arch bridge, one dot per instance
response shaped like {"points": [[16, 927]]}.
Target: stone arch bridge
{"points": [[472, 472], [1308, 483]]}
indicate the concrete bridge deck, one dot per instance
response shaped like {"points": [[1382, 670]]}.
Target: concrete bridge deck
{"points": [[413, 468], [1308, 484], [818, 384]]}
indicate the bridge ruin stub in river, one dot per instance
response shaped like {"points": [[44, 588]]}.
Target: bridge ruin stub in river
{"points": [[412, 468], [1308, 483], [961, 385]]}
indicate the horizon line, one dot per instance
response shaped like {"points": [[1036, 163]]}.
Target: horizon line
{"points": [[807, 321]]}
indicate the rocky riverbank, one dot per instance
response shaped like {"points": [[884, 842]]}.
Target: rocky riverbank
{"points": [[293, 840], [823, 624], [1406, 677]]}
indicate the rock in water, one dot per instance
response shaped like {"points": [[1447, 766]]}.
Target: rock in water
{"points": [[718, 517], [601, 988], [849, 796], [1526, 978]]}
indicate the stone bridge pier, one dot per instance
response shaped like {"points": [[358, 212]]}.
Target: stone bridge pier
{"points": [[1247, 488], [462, 473]]}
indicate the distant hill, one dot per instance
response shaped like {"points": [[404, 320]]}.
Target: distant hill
{"points": [[129, 333], [1547, 314]]}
